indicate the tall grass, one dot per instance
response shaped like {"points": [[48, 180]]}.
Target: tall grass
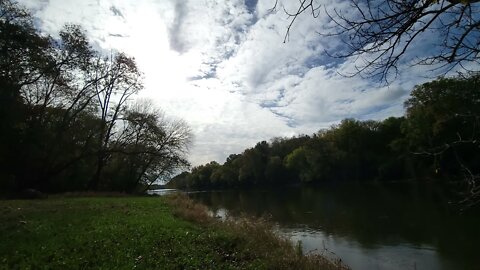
{"points": [[255, 236]]}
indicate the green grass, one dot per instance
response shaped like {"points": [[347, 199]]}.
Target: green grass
{"points": [[122, 233]]}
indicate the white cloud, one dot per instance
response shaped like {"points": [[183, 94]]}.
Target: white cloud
{"points": [[227, 72]]}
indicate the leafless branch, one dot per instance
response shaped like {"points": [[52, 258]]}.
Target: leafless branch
{"points": [[379, 33]]}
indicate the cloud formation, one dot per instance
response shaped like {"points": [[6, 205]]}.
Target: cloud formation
{"points": [[223, 67]]}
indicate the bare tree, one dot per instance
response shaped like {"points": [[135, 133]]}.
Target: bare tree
{"points": [[117, 79], [380, 32], [156, 146]]}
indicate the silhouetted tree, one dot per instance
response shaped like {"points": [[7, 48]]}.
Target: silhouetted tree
{"points": [[64, 117], [154, 146], [119, 80]]}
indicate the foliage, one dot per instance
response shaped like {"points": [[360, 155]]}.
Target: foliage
{"points": [[443, 120]]}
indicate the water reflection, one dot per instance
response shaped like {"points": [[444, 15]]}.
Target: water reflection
{"points": [[161, 192], [373, 227]]}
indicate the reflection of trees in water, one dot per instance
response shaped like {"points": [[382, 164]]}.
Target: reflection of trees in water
{"points": [[369, 215]]}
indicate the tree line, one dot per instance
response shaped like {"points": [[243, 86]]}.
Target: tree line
{"points": [[437, 138], [68, 116]]}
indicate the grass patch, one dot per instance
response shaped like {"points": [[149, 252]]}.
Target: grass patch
{"points": [[129, 233]]}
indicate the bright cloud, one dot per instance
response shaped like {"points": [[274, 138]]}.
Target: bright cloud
{"points": [[223, 67]]}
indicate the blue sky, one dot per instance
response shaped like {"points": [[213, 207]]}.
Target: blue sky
{"points": [[222, 66]]}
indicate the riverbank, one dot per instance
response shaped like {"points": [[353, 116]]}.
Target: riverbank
{"points": [[140, 233]]}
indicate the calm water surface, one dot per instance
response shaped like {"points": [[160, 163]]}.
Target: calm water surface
{"points": [[368, 227], [161, 192]]}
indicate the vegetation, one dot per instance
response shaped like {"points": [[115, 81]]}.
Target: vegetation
{"points": [[137, 232], [437, 138], [67, 117]]}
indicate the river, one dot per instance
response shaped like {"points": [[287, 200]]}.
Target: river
{"points": [[367, 227]]}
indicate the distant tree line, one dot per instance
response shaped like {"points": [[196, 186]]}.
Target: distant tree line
{"points": [[438, 138], [68, 121]]}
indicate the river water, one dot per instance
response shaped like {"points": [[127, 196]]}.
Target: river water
{"points": [[367, 227]]}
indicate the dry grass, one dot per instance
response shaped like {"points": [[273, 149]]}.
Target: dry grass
{"points": [[255, 236], [187, 209]]}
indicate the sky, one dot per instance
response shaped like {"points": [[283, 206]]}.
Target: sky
{"points": [[222, 66]]}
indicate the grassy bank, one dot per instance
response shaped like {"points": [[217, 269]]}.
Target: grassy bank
{"points": [[137, 233]]}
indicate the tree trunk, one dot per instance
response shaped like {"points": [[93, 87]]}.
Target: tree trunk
{"points": [[95, 181]]}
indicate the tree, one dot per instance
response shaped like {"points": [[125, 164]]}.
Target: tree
{"points": [[119, 79], [153, 146], [275, 172], [64, 117], [298, 162], [443, 119], [42, 97], [252, 165], [379, 32], [60, 101], [201, 176], [24, 51]]}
